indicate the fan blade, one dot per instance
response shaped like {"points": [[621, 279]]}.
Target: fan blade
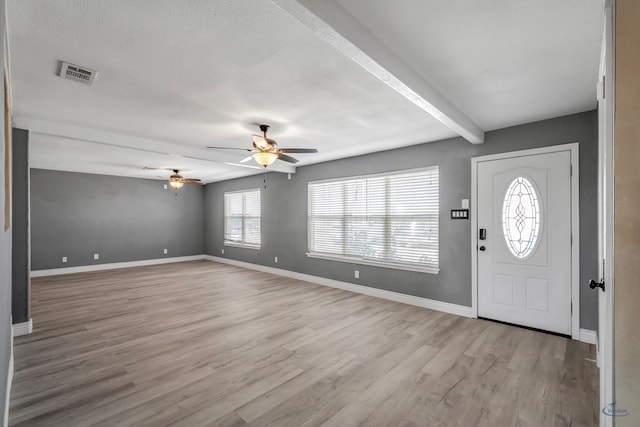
{"points": [[246, 159], [192, 180], [230, 148], [287, 158], [157, 169], [243, 166], [297, 150]]}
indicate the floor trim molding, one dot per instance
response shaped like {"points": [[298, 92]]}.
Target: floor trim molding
{"points": [[585, 335], [446, 307], [111, 266], [24, 328], [588, 336], [5, 415]]}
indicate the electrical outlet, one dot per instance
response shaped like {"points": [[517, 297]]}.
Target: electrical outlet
{"points": [[222, 251], [64, 259], [165, 251], [165, 186], [275, 259], [96, 256], [356, 274]]}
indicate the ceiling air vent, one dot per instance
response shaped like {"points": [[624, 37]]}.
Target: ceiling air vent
{"points": [[77, 73]]}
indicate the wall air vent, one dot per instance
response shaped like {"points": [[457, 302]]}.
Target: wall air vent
{"points": [[77, 73]]}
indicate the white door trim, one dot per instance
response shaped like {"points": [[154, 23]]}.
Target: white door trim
{"points": [[573, 148], [606, 175]]}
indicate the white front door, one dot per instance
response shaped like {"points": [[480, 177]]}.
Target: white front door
{"points": [[524, 240]]}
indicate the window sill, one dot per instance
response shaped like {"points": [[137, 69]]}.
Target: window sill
{"points": [[374, 263], [241, 245]]}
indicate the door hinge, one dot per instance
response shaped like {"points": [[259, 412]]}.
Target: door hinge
{"points": [[570, 170], [571, 239], [604, 83], [571, 308]]}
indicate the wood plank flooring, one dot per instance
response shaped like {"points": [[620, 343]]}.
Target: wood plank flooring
{"points": [[208, 344]]}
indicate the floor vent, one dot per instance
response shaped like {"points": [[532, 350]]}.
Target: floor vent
{"points": [[77, 73]]}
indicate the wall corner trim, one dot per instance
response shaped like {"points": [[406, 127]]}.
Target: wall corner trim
{"points": [[113, 265], [588, 336], [24, 328], [446, 307]]}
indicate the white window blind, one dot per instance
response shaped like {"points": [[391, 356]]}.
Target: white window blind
{"points": [[389, 220], [242, 218]]}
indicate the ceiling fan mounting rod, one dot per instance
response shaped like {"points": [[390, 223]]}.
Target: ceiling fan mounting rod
{"points": [[264, 129]]}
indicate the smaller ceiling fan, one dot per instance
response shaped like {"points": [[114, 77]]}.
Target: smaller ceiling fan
{"points": [[266, 150], [176, 180]]}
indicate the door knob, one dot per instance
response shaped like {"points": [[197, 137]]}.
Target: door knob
{"points": [[482, 248], [593, 284]]}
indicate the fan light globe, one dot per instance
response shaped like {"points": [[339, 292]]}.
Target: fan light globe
{"points": [[265, 158], [175, 183]]}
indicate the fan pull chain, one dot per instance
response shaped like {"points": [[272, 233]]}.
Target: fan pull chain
{"points": [[264, 179]]}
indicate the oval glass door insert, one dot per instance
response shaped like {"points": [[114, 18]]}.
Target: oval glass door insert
{"points": [[521, 217]]}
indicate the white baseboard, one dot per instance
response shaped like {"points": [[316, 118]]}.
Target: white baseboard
{"points": [[7, 396], [113, 265], [588, 336], [24, 328], [446, 307]]}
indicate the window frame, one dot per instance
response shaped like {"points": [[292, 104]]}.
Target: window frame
{"points": [[242, 243], [371, 261]]}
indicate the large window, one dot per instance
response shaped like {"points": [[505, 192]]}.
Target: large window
{"points": [[389, 220], [242, 218]]}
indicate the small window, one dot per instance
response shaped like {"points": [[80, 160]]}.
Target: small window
{"points": [[242, 218], [521, 217], [387, 220]]}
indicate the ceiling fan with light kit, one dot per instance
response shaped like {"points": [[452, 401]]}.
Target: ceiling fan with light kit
{"points": [[177, 181], [265, 150]]}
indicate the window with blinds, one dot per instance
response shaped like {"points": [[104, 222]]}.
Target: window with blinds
{"points": [[242, 218], [389, 220]]}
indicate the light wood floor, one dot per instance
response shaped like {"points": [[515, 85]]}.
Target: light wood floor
{"points": [[203, 343]]}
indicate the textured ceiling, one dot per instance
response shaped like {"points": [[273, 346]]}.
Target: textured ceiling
{"points": [[176, 76]]}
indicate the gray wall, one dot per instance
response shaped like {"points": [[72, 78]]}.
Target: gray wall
{"points": [[284, 210], [21, 282], [122, 219]]}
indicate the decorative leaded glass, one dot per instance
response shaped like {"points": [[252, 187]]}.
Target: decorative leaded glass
{"points": [[521, 217]]}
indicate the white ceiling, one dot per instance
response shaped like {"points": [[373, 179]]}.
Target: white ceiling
{"points": [[176, 76]]}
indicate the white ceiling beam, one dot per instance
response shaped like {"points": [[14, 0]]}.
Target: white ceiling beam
{"points": [[117, 140], [331, 22]]}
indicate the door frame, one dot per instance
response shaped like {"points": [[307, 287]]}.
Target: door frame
{"points": [[574, 149]]}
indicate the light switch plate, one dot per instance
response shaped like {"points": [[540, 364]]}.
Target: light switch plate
{"points": [[459, 213]]}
